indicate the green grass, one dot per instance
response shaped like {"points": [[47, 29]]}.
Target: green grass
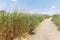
{"points": [[15, 24], [56, 20]]}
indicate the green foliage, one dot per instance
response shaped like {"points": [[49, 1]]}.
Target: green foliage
{"points": [[56, 20], [15, 24]]}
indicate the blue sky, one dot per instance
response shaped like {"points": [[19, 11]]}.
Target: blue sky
{"points": [[31, 5]]}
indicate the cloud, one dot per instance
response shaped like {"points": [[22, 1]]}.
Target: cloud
{"points": [[1, 8], [14, 0], [52, 9], [53, 6]]}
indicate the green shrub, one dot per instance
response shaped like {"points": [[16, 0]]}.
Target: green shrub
{"points": [[56, 20], [15, 24]]}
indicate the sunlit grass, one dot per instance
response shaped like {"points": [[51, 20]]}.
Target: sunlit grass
{"points": [[15, 24], [56, 20]]}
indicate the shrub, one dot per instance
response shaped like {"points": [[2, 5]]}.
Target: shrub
{"points": [[15, 24], [56, 20]]}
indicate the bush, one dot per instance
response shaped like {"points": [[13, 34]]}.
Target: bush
{"points": [[56, 20], [15, 24]]}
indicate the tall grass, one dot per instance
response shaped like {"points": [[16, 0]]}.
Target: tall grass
{"points": [[15, 24], [56, 20]]}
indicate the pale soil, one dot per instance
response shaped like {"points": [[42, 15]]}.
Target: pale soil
{"points": [[45, 31]]}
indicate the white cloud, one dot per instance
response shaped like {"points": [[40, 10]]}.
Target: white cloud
{"points": [[51, 11], [53, 6], [14, 0], [1, 8]]}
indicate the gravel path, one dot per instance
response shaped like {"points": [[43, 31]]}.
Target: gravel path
{"points": [[46, 31]]}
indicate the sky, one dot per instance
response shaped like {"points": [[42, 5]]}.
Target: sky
{"points": [[34, 6]]}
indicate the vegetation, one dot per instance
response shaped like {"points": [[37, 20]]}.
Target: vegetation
{"points": [[56, 20], [15, 24]]}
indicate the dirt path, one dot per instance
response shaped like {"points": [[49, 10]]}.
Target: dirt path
{"points": [[46, 31]]}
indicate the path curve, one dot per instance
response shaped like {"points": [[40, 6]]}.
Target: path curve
{"points": [[46, 31]]}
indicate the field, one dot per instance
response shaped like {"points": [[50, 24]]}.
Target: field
{"points": [[15, 24], [56, 20]]}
